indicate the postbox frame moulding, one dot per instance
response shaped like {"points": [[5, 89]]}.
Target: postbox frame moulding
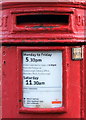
{"points": [[65, 78]]}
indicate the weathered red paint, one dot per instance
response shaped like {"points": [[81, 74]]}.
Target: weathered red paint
{"points": [[18, 38]]}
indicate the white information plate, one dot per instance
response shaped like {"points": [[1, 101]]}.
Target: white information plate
{"points": [[42, 79]]}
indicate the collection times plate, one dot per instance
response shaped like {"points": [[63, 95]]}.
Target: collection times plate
{"points": [[42, 79]]}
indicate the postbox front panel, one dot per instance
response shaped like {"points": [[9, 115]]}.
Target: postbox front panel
{"points": [[62, 72]]}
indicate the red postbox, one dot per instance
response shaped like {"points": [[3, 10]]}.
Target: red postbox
{"points": [[43, 60]]}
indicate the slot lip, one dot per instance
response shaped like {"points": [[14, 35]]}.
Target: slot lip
{"points": [[46, 27], [49, 9]]}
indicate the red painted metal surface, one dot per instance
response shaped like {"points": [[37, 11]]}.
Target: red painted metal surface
{"points": [[85, 84], [17, 37]]}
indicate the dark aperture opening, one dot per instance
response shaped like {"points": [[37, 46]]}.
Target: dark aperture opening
{"points": [[37, 19]]}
